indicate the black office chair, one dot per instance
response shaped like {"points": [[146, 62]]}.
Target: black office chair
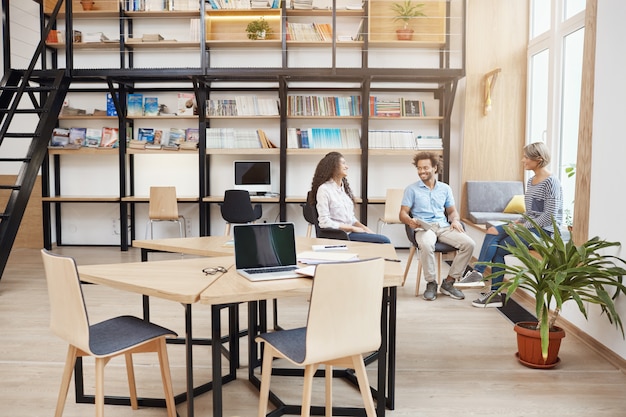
{"points": [[310, 214], [440, 250], [237, 209]]}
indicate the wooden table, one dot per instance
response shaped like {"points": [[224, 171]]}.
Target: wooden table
{"points": [[191, 285]]}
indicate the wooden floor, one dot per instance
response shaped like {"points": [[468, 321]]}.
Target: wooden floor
{"points": [[453, 360]]}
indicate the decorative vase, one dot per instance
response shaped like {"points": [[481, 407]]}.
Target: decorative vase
{"points": [[87, 5], [529, 346], [404, 34], [260, 34]]}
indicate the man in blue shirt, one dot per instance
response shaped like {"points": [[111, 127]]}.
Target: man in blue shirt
{"points": [[428, 208]]}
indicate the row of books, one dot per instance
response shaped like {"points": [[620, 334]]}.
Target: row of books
{"points": [[244, 4], [402, 139], [243, 106], [160, 5], [227, 138], [396, 107], [78, 137], [138, 105], [309, 32], [323, 138], [150, 138], [323, 106]]}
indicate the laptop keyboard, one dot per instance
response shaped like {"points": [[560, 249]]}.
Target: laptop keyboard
{"points": [[271, 269]]}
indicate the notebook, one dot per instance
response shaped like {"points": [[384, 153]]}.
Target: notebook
{"points": [[265, 251]]}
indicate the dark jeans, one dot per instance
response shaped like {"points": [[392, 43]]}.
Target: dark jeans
{"points": [[368, 237]]}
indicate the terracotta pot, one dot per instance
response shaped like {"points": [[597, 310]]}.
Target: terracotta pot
{"points": [[404, 34], [87, 5], [529, 346]]}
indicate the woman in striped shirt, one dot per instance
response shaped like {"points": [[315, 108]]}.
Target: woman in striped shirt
{"points": [[544, 202]]}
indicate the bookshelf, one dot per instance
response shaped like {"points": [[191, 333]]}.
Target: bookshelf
{"points": [[223, 65]]}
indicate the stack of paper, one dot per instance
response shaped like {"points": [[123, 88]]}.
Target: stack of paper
{"points": [[313, 257]]}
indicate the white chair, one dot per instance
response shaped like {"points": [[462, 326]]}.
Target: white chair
{"points": [[343, 323], [163, 207], [123, 335], [393, 201]]}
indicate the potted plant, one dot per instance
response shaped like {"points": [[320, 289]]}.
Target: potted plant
{"points": [[406, 11], [554, 271], [87, 4], [258, 29]]}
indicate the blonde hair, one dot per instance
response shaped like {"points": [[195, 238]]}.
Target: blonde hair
{"points": [[538, 151]]}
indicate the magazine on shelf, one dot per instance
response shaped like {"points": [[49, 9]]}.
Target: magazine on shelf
{"points": [[151, 106], [186, 104], [177, 136], [77, 136], [145, 134], [60, 137], [110, 137], [93, 137], [135, 105]]}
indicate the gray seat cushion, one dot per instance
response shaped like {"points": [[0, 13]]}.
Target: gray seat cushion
{"points": [[486, 200]]}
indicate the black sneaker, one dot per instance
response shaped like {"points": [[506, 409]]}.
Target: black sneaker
{"points": [[488, 299], [431, 291]]}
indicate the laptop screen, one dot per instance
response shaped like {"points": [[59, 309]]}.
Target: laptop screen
{"points": [[264, 245]]}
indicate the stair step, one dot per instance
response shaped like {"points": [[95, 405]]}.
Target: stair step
{"points": [[20, 135], [10, 187], [35, 89], [14, 159], [24, 111]]}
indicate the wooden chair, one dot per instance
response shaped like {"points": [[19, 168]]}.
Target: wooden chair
{"points": [[123, 335], [441, 249], [391, 215], [163, 207], [237, 209], [343, 323]]}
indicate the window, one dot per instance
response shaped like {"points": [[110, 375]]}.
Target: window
{"points": [[555, 53]]}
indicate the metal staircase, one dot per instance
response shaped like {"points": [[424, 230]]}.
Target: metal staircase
{"points": [[30, 102]]}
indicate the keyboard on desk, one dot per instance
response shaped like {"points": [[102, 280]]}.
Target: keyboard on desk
{"points": [[271, 269]]}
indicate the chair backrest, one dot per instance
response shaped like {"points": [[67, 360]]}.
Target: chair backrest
{"points": [[68, 316], [163, 203], [237, 207], [344, 312], [309, 211], [393, 201]]}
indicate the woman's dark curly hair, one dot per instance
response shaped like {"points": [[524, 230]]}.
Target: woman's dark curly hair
{"points": [[324, 171]]}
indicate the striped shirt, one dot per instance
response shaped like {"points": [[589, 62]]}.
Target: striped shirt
{"points": [[543, 202]]}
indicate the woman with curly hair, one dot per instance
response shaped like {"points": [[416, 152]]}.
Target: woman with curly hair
{"points": [[333, 198]]}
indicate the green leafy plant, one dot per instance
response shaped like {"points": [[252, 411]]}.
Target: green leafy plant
{"points": [[406, 11], [562, 272], [258, 29]]}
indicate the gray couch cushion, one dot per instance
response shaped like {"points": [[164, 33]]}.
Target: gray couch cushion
{"points": [[486, 200]]}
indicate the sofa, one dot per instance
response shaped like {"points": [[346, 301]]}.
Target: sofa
{"points": [[494, 200]]}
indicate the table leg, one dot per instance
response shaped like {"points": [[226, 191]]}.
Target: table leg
{"points": [[216, 356], [189, 359]]}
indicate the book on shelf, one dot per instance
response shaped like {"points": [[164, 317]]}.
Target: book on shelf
{"points": [[111, 109], [186, 104], [151, 106], [161, 136], [188, 145], [93, 137], [192, 134], [110, 137], [145, 134], [77, 136], [385, 107], [412, 108], [135, 105], [60, 137], [194, 30], [429, 143], [323, 138], [155, 5], [391, 139]]}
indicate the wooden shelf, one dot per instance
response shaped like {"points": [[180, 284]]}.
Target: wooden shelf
{"points": [[324, 151], [325, 12], [81, 199], [241, 151], [165, 14], [87, 117], [164, 44], [133, 151], [226, 26], [400, 152], [146, 199], [83, 151], [86, 45]]}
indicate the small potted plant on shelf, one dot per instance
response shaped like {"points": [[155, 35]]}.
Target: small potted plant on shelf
{"points": [[87, 4], [406, 11], [554, 271], [259, 29]]}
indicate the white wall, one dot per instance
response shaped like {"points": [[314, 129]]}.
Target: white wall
{"points": [[608, 152]]}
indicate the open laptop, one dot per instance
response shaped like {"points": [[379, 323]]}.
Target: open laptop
{"points": [[265, 251]]}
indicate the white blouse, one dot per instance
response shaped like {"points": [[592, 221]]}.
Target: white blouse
{"points": [[334, 206]]}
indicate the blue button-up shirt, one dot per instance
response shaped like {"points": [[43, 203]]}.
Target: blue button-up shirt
{"points": [[429, 205]]}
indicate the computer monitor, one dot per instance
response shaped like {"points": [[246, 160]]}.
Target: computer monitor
{"points": [[254, 176]]}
